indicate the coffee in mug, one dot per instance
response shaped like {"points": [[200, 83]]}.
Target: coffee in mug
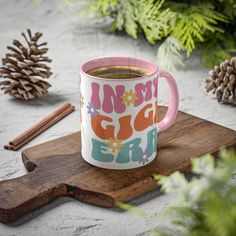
{"points": [[119, 72]]}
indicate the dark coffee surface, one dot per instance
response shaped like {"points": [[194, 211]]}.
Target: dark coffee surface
{"points": [[119, 72]]}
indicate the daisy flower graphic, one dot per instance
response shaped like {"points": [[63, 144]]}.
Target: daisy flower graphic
{"points": [[92, 110], [114, 144], [129, 97]]}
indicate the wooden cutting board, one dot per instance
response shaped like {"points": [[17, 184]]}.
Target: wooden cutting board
{"points": [[56, 168]]}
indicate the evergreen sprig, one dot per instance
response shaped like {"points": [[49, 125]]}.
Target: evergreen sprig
{"points": [[176, 27], [207, 204], [193, 22], [184, 25], [170, 48]]}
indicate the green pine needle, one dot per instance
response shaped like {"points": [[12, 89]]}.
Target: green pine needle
{"points": [[218, 48], [206, 205], [180, 26], [169, 54], [135, 210], [193, 22], [143, 15]]}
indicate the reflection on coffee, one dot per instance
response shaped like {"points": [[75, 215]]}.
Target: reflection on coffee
{"points": [[119, 72]]}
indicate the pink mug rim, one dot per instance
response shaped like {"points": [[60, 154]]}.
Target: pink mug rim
{"points": [[113, 61]]}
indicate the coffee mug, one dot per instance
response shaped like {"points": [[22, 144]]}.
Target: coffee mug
{"points": [[119, 105]]}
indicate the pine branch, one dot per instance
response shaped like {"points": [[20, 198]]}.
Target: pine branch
{"points": [[191, 24], [169, 54], [104, 7], [217, 49], [205, 205], [127, 18], [153, 19], [228, 6], [145, 15]]}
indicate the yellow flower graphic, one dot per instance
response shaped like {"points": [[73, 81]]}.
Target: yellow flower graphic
{"points": [[81, 101], [129, 97], [114, 144]]}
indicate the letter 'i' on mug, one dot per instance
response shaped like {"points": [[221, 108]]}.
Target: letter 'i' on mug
{"points": [[118, 101]]}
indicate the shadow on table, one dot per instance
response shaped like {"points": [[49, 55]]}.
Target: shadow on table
{"points": [[47, 99], [40, 211], [62, 200]]}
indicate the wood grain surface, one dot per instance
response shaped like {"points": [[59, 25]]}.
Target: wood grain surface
{"points": [[56, 168]]}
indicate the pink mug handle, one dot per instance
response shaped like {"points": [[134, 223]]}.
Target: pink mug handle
{"points": [[172, 111]]}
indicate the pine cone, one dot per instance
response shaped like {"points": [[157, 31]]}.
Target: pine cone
{"points": [[223, 81], [24, 68]]}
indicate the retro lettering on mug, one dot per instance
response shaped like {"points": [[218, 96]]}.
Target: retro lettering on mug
{"points": [[114, 143]]}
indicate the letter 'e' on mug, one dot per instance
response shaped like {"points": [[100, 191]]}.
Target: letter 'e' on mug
{"points": [[118, 111]]}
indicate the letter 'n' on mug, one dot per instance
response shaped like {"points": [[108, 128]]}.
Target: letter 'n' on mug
{"points": [[118, 111]]}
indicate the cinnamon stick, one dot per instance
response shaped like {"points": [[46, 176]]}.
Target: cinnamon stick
{"points": [[40, 126]]}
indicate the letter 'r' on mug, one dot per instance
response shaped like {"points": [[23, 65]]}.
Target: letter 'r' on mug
{"points": [[119, 111]]}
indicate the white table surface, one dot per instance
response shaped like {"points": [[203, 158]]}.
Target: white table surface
{"points": [[70, 44]]}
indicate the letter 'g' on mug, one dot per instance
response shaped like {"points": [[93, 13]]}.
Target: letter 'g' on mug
{"points": [[118, 111]]}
